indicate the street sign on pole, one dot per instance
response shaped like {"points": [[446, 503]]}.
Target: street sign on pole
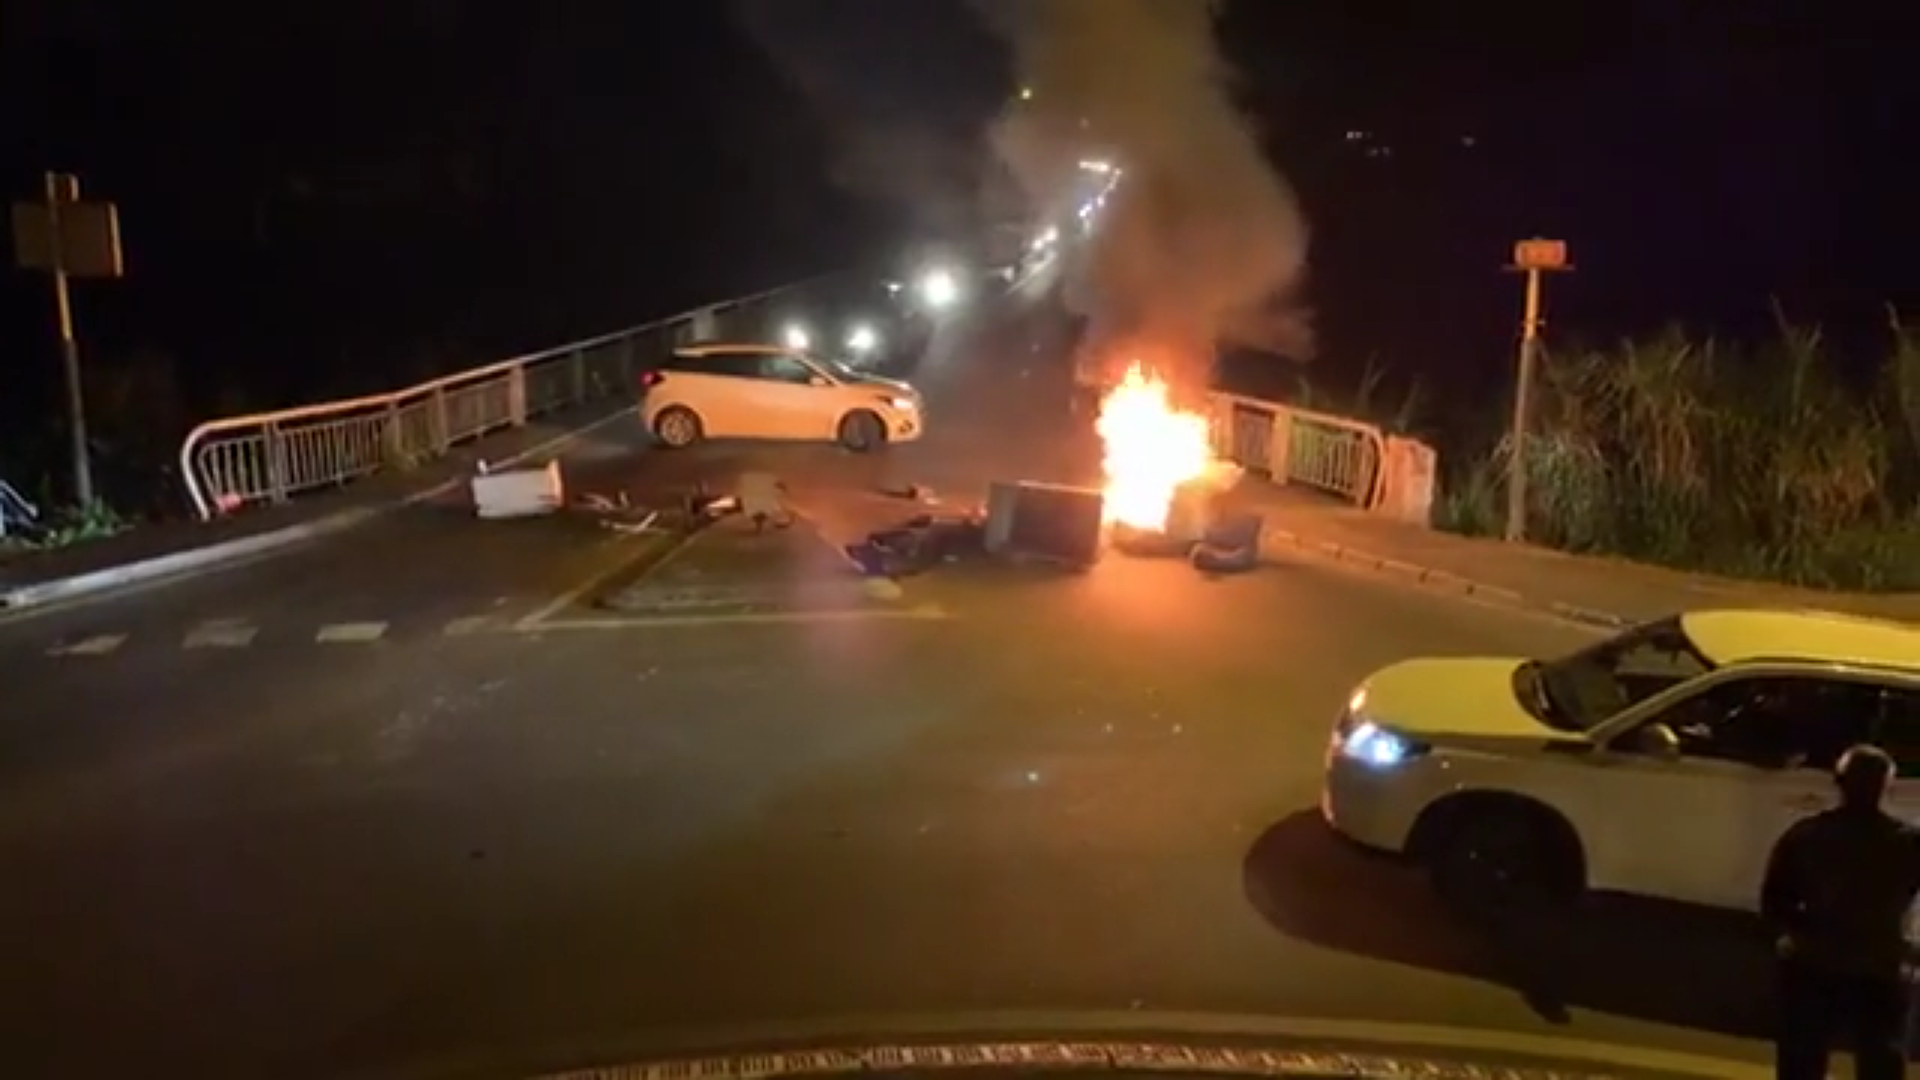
{"points": [[1535, 258], [65, 237], [1540, 254]]}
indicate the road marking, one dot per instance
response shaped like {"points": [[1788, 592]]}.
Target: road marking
{"points": [[923, 613], [220, 634], [356, 633], [97, 645], [573, 596], [473, 624]]}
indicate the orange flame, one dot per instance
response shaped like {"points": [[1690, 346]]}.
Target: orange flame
{"points": [[1150, 449]]}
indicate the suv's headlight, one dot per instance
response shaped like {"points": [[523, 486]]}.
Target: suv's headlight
{"points": [[903, 404], [1368, 742]]}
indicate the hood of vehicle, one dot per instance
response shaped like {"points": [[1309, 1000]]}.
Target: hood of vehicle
{"points": [[891, 385], [1466, 697]]}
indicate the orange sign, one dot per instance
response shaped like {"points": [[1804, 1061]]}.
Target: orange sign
{"points": [[1540, 254]]}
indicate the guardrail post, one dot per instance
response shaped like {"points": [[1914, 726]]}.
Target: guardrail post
{"points": [[1280, 447], [629, 358], [577, 365], [393, 441], [517, 395], [276, 454], [438, 419]]}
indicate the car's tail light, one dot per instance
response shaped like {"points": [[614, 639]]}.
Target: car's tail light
{"points": [[651, 379]]}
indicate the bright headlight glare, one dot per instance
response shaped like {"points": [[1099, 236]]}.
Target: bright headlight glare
{"points": [[862, 338], [1375, 745]]}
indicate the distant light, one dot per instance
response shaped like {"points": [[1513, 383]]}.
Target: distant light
{"points": [[862, 339], [1469, 141], [796, 336], [1100, 167], [1026, 93], [939, 289]]}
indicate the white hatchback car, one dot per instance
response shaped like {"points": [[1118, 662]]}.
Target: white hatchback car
{"points": [[1665, 761], [771, 392]]}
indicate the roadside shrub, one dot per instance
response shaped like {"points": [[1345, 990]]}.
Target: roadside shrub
{"points": [[1754, 462]]}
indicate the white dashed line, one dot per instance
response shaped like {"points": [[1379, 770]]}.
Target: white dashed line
{"points": [[97, 645], [220, 634], [352, 633]]}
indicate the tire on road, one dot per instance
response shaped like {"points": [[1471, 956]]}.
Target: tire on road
{"points": [[677, 427], [1490, 855], [862, 432]]}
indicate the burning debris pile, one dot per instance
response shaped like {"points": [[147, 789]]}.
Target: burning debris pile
{"points": [[1163, 483], [1160, 495]]}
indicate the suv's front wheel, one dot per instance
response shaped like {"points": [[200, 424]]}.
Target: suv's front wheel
{"points": [[1501, 857]]}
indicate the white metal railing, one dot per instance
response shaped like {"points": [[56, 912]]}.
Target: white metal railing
{"points": [[1329, 453], [238, 461], [15, 510]]}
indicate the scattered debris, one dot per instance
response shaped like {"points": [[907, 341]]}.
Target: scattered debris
{"points": [[518, 493], [912, 492], [1048, 522], [762, 497], [600, 504], [916, 546], [1231, 546]]}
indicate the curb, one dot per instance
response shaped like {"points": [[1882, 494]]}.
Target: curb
{"points": [[212, 556], [1445, 581]]}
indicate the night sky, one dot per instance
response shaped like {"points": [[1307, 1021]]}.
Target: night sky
{"points": [[326, 198]]}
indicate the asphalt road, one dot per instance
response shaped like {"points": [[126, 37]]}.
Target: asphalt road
{"points": [[514, 830]]}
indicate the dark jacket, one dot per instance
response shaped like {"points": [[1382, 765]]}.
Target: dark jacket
{"points": [[1839, 884]]}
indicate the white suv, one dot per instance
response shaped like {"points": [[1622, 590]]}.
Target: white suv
{"points": [[770, 392], [1665, 761]]}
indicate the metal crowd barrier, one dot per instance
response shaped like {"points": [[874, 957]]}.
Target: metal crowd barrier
{"points": [[1334, 454]]}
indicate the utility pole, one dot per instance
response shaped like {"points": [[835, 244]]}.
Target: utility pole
{"points": [[66, 238], [1535, 258]]}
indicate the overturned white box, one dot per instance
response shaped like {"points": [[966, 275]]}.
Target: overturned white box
{"points": [[519, 492]]}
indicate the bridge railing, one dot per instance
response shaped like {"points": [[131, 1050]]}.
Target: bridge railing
{"points": [[15, 510], [1335, 454], [270, 457]]}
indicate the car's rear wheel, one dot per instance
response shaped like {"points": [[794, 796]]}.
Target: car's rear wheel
{"points": [[677, 427], [862, 431], [1499, 858]]}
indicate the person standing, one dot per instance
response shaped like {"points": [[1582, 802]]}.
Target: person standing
{"points": [[1837, 891]]}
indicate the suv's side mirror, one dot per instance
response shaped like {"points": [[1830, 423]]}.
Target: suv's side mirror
{"points": [[1655, 740]]}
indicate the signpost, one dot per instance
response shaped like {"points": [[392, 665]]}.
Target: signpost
{"points": [[1535, 258], [68, 238]]}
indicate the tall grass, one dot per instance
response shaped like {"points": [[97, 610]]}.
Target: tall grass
{"points": [[1754, 462]]}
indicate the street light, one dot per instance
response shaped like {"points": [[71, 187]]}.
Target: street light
{"points": [[796, 336], [862, 339]]}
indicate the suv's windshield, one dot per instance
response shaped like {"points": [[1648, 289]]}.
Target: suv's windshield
{"points": [[1580, 691]]}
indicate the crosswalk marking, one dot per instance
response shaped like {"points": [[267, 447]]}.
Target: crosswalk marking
{"points": [[220, 634], [97, 645], [350, 633]]}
